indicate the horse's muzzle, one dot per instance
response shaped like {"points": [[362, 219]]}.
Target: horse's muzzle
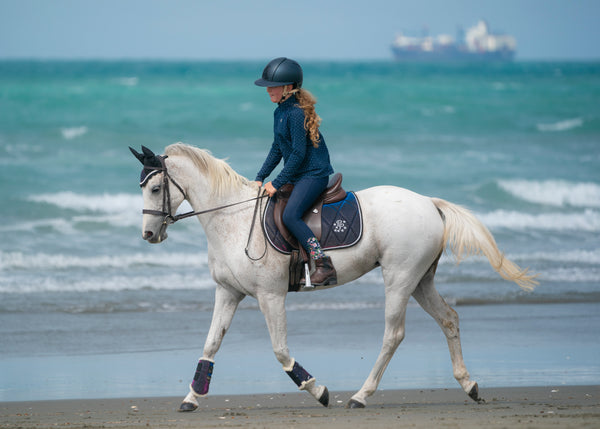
{"points": [[150, 237]]}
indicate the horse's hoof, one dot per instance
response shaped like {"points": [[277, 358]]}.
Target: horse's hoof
{"points": [[187, 406], [355, 404], [324, 399], [474, 394]]}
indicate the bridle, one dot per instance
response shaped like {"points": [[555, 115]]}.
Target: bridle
{"points": [[166, 204], [166, 212]]}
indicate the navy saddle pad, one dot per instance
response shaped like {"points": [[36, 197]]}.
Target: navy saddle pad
{"points": [[341, 225]]}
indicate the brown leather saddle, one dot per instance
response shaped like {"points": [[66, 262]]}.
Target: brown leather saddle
{"points": [[312, 217], [335, 219]]}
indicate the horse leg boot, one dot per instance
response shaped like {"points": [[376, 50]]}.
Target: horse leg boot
{"points": [[199, 385], [307, 382]]}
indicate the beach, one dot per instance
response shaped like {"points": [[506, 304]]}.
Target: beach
{"points": [[91, 311], [520, 407]]}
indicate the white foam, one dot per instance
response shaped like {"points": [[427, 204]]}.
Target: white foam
{"points": [[119, 203], [63, 226], [128, 81], [49, 262], [334, 306], [114, 209], [588, 220], [591, 257], [570, 275], [564, 125], [98, 283], [73, 132], [104, 203], [557, 193]]}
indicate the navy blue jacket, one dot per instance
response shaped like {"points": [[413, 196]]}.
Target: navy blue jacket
{"points": [[292, 143]]}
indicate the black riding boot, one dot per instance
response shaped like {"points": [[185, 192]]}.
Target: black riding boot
{"points": [[324, 274]]}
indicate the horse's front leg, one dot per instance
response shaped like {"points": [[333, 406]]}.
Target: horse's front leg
{"points": [[273, 308], [226, 302]]}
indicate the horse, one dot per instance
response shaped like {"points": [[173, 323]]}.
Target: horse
{"points": [[404, 233]]}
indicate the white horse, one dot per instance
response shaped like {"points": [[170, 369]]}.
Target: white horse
{"points": [[404, 233]]}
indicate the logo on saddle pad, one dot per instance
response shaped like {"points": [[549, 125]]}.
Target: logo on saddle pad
{"points": [[337, 225]]}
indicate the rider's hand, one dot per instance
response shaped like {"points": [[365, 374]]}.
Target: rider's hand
{"points": [[270, 189]]}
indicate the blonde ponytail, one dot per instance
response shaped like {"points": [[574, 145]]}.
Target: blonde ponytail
{"points": [[312, 121]]}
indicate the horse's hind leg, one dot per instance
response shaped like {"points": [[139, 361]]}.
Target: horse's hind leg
{"points": [[396, 300], [431, 301]]}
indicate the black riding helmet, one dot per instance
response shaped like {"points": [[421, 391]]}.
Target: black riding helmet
{"points": [[281, 71]]}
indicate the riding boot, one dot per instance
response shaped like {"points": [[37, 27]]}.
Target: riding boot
{"points": [[324, 274]]}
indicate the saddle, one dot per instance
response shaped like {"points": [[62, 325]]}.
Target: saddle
{"points": [[332, 194], [334, 218]]}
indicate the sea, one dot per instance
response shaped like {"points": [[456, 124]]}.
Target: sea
{"points": [[88, 309]]}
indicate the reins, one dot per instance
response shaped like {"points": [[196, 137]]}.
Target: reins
{"points": [[256, 210], [190, 214], [171, 219]]}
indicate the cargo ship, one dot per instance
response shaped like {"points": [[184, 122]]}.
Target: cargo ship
{"points": [[476, 44]]}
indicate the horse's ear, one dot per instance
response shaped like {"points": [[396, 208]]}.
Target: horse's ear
{"points": [[138, 155], [148, 152], [148, 159]]}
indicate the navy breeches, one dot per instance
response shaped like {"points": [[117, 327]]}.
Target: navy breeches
{"points": [[305, 193]]}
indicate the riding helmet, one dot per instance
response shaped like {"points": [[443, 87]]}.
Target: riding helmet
{"points": [[281, 71]]}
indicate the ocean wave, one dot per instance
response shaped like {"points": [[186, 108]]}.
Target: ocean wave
{"points": [[564, 125], [574, 297], [557, 193], [118, 210], [104, 203], [128, 81], [580, 257], [121, 210], [334, 306], [169, 281], [70, 133], [570, 275], [588, 220], [48, 262], [590, 257], [113, 204]]}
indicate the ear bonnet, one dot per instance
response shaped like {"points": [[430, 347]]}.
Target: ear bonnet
{"points": [[151, 162]]}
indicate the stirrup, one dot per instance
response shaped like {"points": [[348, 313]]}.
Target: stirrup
{"points": [[307, 282]]}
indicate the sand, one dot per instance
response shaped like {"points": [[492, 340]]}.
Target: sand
{"points": [[522, 407]]}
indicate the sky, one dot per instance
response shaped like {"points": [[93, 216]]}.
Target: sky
{"points": [[301, 29]]}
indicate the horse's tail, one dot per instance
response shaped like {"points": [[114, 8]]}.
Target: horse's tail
{"points": [[466, 235]]}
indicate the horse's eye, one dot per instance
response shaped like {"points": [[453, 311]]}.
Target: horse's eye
{"points": [[155, 189]]}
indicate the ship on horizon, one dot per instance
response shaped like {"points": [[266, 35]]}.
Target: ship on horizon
{"points": [[476, 44]]}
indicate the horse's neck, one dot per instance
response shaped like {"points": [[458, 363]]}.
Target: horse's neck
{"points": [[221, 224]]}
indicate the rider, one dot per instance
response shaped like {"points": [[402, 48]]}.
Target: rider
{"points": [[306, 163]]}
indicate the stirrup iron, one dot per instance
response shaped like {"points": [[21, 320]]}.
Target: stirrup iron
{"points": [[307, 284]]}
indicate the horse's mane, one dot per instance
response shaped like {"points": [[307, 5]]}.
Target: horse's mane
{"points": [[222, 177]]}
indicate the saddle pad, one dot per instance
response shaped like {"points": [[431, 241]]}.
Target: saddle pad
{"points": [[341, 225]]}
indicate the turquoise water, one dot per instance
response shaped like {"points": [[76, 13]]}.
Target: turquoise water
{"points": [[517, 143]]}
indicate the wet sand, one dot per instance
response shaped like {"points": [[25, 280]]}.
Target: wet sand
{"points": [[522, 407]]}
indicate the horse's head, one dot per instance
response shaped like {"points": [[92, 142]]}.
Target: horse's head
{"points": [[160, 203]]}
